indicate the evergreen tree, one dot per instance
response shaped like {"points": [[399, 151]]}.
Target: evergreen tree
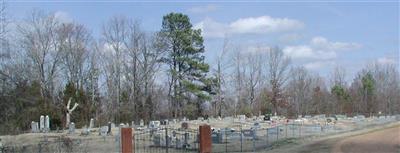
{"points": [[186, 62]]}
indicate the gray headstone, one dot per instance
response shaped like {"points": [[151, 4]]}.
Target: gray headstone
{"points": [[85, 131], [41, 123], [154, 124], [133, 124], [91, 124], [71, 128], [35, 127], [242, 118], [103, 130]]}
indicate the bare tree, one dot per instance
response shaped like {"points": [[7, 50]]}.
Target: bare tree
{"points": [[74, 42], [219, 73], [299, 88], [278, 64], [38, 39], [4, 42], [114, 36]]}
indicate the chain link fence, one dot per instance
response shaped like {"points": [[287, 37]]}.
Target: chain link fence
{"points": [[169, 140]]}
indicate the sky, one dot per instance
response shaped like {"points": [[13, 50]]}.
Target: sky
{"points": [[318, 35]]}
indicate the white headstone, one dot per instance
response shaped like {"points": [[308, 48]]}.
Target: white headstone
{"points": [[47, 123], [242, 118], [41, 123], [133, 124], [71, 128], [91, 124], [141, 123]]}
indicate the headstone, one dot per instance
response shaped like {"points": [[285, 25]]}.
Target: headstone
{"points": [[103, 130], [112, 125], [41, 123], [184, 118], [200, 118], [47, 123], [185, 125], [109, 128], [133, 124], [267, 118], [154, 124], [85, 131], [71, 128], [91, 124], [242, 118], [141, 123], [35, 127]]}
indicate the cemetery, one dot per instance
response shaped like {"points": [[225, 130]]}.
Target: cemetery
{"points": [[228, 134], [167, 76]]}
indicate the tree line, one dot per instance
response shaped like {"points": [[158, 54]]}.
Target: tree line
{"points": [[128, 74]]}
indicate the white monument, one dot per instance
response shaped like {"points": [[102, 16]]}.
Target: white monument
{"points": [[69, 111], [141, 123], [91, 124], [41, 123], [47, 123]]}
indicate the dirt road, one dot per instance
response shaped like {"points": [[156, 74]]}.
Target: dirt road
{"points": [[383, 141], [377, 140]]}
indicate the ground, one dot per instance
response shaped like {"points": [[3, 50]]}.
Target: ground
{"points": [[384, 139]]}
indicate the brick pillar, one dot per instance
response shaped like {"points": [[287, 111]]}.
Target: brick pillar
{"points": [[205, 139], [126, 140]]}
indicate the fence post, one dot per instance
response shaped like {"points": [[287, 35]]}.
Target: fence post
{"points": [[166, 140], [241, 139], [126, 140], [267, 137], [277, 132], [254, 140], [205, 139], [285, 130]]}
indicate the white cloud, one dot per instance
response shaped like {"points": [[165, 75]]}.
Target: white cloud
{"points": [[264, 24], [318, 65], [323, 43], [211, 28], [288, 38], [203, 9], [386, 60], [251, 25], [63, 17], [319, 48]]}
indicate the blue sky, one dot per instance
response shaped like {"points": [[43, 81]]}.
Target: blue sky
{"points": [[317, 35]]}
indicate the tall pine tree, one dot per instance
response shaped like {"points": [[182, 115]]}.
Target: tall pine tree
{"points": [[189, 85]]}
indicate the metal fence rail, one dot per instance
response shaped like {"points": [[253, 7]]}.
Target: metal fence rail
{"points": [[169, 140], [166, 140]]}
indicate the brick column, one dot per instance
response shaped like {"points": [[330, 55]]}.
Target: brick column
{"points": [[205, 139], [126, 140]]}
